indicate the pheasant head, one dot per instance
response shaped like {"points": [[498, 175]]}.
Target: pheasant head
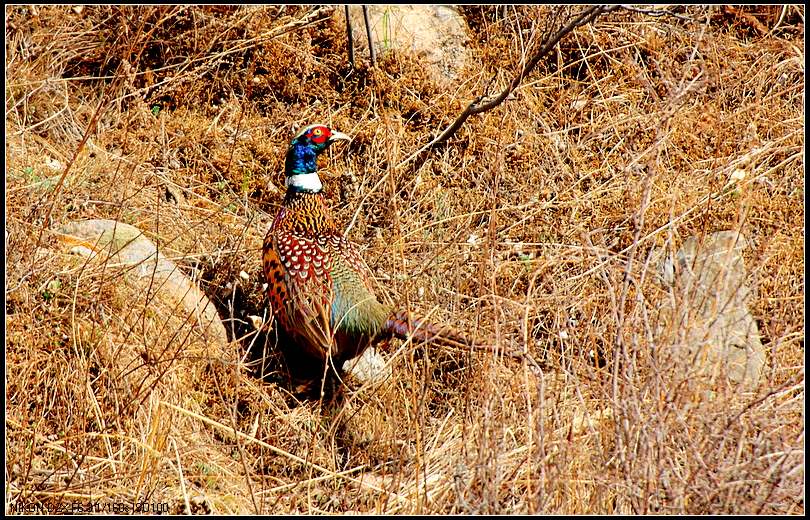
{"points": [[302, 156]]}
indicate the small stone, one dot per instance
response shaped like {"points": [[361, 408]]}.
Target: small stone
{"points": [[256, 321], [738, 174], [369, 367], [53, 164]]}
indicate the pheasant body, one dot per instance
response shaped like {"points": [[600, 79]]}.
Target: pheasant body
{"points": [[318, 285]]}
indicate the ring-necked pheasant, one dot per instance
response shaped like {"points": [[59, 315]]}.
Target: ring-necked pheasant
{"points": [[318, 285]]}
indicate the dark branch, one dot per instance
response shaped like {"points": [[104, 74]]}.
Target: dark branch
{"points": [[370, 40], [349, 35], [481, 105]]}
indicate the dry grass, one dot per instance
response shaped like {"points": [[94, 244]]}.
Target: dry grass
{"points": [[533, 226]]}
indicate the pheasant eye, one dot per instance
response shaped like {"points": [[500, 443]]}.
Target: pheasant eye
{"points": [[317, 132]]}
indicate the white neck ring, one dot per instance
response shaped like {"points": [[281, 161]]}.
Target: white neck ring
{"points": [[304, 182]]}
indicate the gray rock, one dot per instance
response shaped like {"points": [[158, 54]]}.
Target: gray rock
{"points": [[369, 367], [436, 33], [710, 308], [125, 245]]}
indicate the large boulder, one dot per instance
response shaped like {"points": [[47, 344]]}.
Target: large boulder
{"points": [[436, 33], [710, 308], [124, 245]]}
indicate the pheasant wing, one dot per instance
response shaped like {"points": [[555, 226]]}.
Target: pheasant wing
{"points": [[357, 315], [300, 289]]}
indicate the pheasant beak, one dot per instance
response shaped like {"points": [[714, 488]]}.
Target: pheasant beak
{"points": [[338, 136]]}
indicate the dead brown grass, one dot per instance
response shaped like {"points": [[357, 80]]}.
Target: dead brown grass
{"points": [[532, 226]]}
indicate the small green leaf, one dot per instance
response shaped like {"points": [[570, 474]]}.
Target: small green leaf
{"points": [[51, 288]]}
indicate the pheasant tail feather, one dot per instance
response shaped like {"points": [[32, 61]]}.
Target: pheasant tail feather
{"points": [[403, 325]]}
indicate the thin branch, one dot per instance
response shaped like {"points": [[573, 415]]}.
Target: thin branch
{"points": [[91, 127], [481, 104], [349, 35], [370, 40]]}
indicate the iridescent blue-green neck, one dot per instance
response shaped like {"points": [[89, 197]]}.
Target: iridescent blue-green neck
{"points": [[301, 159], [301, 168]]}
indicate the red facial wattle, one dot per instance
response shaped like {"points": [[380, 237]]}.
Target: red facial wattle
{"points": [[319, 135]]}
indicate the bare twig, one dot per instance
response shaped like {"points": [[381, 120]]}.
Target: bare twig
{"points": [[349, 35], [91, 126], [370, 39], [779, 20], [481, 104]]}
